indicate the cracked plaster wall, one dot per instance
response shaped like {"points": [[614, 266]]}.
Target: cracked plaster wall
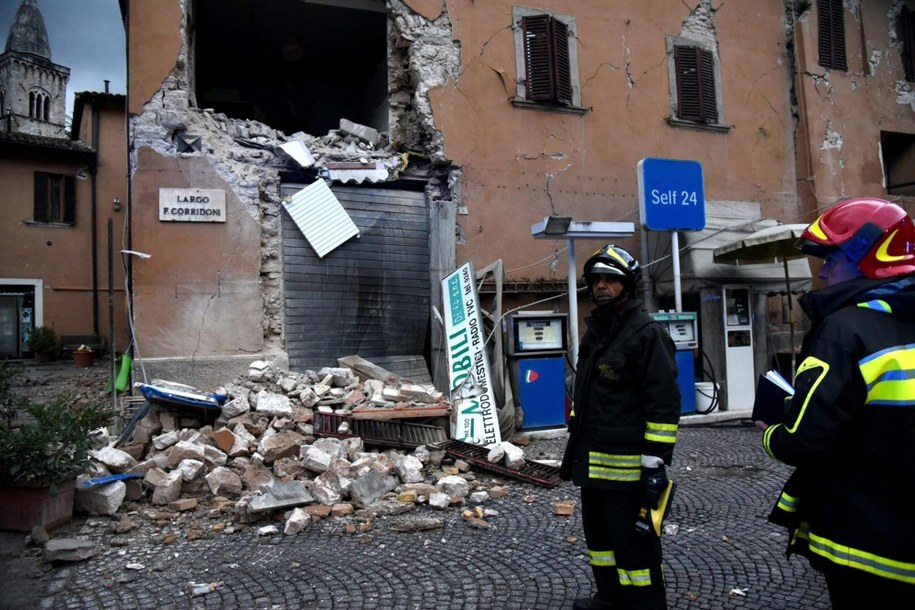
{"points": [[520, 165], [214, 291], [842, 113]]}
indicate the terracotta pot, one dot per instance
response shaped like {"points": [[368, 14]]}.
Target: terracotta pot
{"points": [[24, 507], [83, 359]]}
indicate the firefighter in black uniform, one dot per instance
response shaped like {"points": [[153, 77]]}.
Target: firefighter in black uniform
{"points": [[622, 430], [849, 429]]}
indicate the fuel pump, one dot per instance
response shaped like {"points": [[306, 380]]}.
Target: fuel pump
{"points": [[682, 327], [537, 343]]}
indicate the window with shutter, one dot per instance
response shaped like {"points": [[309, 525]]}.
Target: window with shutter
{"points": [[831, 34], [41, 197], [69, 200], [546, 61], [55, 198], [695, 82], [907, 34], [546, 54]]}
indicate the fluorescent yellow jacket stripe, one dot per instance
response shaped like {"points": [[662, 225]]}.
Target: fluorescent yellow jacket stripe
{"points": [[878, 305], [614, 467], [602, 558], [634, 578], [787, 503], [661, 433], [890, 376], [871, 563]]}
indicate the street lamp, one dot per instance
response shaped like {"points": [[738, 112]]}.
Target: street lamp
{"points": [[554, 227]]}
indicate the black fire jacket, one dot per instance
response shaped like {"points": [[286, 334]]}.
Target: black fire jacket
{"points": [[850, 431], [626, 400]]}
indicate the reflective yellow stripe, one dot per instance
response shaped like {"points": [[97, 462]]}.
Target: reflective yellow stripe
{"points": [[602, 558], [890, 376], [614, 467], [860, 560], [809, 363], [614, 459], [614, 474], [877, 305], [815, 229], [661, 433], [634, 578], [787, 503]]}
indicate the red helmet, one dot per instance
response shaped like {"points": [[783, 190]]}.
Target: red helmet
{"points": [[876, 235]]}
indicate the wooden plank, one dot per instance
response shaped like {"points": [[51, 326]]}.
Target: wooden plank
{"points": [[368, 370], [399, 412]]}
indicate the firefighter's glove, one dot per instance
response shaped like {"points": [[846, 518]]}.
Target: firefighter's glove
{"points": [[654, 481]]}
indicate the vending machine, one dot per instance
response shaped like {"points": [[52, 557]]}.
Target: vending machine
{"points": [[683, 329], [537, 343]]}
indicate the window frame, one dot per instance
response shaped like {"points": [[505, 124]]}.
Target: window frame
{"points": [[906, 26], [54, 200], [712, 77], [521, 98], [833, 54], [897, 153]]}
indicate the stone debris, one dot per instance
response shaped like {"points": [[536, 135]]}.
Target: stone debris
{"points": [[564, 508], [68, 549], [261, 463]]}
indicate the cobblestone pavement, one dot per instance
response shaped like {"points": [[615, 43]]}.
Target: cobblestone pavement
{"points": [[723, 555]]}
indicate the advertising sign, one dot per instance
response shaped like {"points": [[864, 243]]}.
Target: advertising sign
{"points": [[473, 417]]}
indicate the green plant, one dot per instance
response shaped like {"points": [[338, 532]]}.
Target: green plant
{"points": [[53, 444], [9, 403], [42, 340]]}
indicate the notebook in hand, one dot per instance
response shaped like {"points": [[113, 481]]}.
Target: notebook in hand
{"points": [[771, 392]]}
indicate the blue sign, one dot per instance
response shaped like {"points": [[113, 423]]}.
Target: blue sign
{"points": [[671, 195]]}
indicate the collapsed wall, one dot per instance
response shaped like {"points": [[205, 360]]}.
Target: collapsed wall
{"points": [[245, 154]]}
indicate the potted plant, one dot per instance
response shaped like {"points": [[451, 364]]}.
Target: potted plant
{"points": [[41, 458], [42, 342], [83, 356]]}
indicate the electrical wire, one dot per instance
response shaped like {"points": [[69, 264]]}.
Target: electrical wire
{"points": [[716, 398]]}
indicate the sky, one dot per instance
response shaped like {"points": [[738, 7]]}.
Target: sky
{"points": [[86, 36]]}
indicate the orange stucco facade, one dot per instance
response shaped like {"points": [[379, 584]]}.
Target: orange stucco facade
{"points": [[201, 296], [67, 264]]}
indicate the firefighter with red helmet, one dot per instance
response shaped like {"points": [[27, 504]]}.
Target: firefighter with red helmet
{"points": [[622, 430], [849, 429]]}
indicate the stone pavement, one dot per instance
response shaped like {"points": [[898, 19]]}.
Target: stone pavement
{"points": [[723, 553]]}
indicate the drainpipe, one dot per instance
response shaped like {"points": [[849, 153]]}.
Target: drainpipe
{"points": [[127, 261], [95, 163]]}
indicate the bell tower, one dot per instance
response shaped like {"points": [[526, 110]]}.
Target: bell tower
{"points": [[33, 89]]}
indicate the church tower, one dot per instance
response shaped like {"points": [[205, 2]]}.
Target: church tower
{"points": [[33, 89]]}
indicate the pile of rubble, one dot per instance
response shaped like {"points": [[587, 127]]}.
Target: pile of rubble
{"points": [[261, 462]]}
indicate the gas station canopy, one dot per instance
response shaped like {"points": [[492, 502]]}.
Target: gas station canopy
{"points": [[698, 268]]}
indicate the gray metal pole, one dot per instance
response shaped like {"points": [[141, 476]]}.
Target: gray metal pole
{"points": [[675, 252], [573, 299]]}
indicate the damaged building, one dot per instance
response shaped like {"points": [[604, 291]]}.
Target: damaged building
{"points": [[429, 133]]}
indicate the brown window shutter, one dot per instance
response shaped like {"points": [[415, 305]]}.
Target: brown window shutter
{"points": [[537, 54], [547, 64], [907, 27], [696, 98], [69, 199], [707, 96], [41, 197], [561, 61], [831, 34]]}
